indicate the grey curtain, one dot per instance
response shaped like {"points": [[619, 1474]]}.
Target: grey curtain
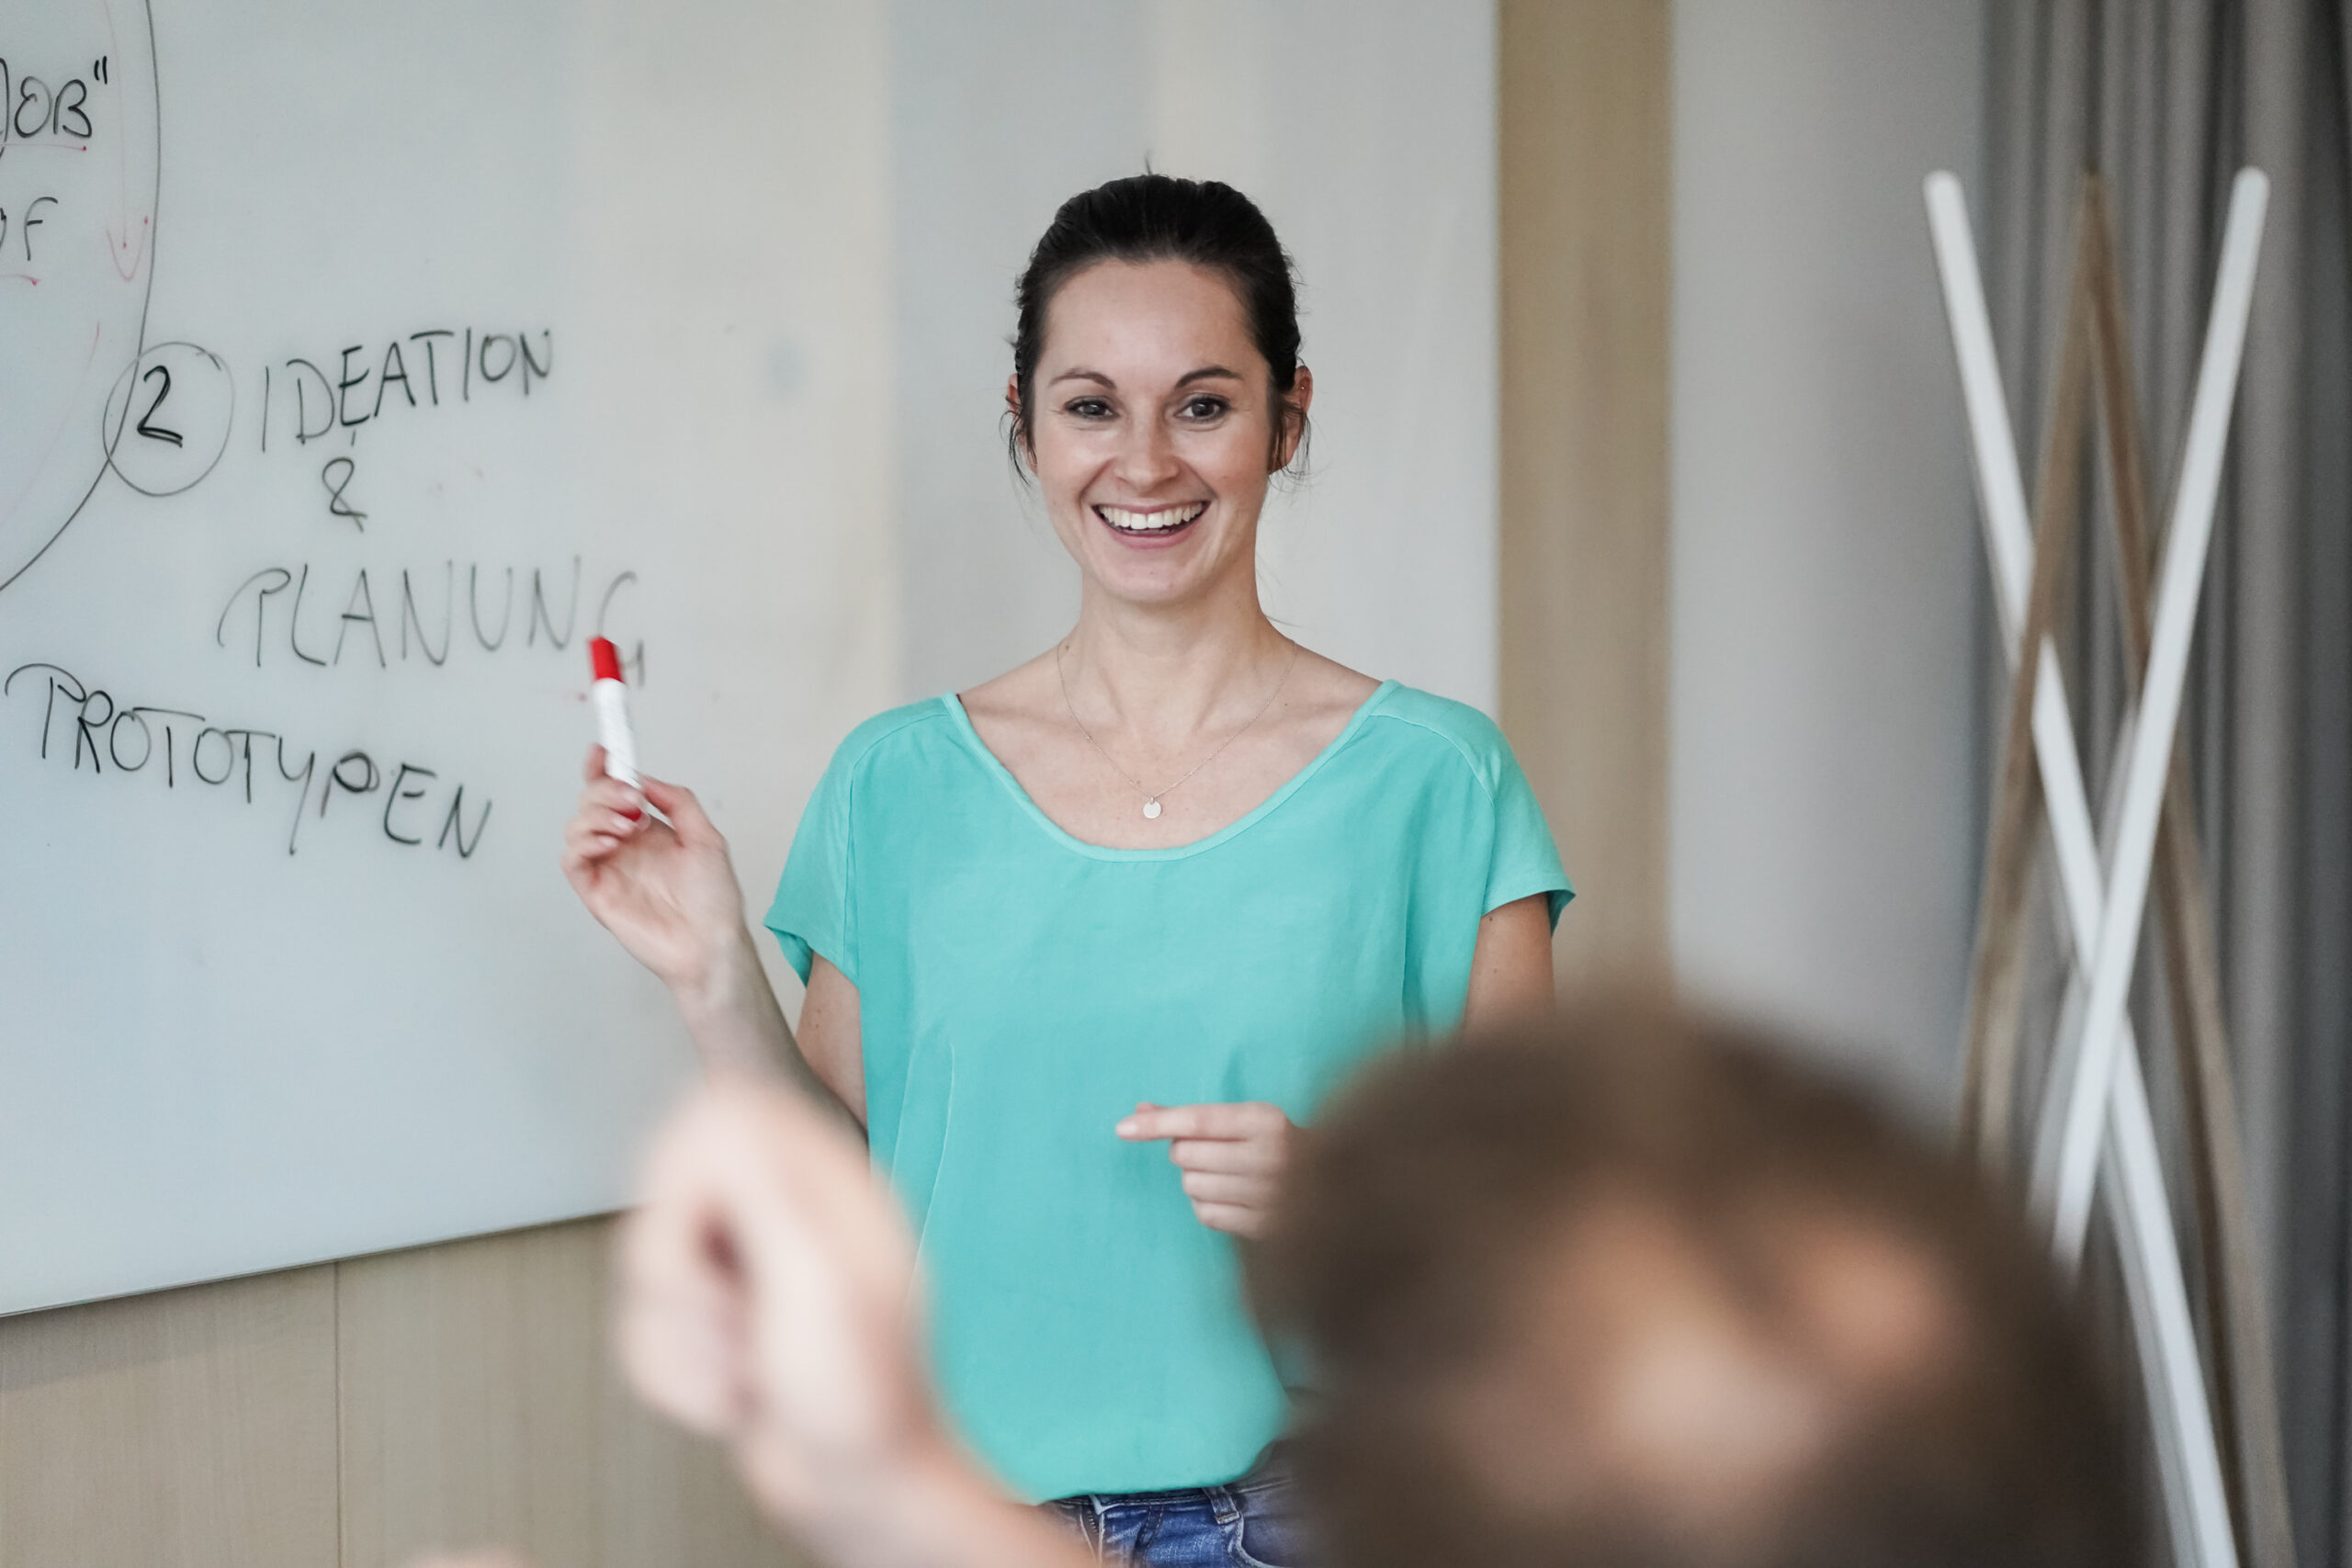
{"points": [[2168, 98]]}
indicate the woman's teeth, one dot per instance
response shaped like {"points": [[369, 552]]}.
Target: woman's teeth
{"points": [[1165, 520]]}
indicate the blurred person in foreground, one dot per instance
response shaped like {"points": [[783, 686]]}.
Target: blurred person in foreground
{"points": [[1624, 1287]]}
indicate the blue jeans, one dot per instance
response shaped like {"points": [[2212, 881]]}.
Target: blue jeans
{"points": [[1250, 1523]]}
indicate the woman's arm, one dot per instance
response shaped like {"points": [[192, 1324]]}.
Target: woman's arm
{"points": [[830, 1042], [733, 1014], [1511, 970], [738, 1027]]}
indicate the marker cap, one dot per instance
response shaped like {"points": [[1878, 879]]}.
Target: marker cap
{"points": [[604, 659]]}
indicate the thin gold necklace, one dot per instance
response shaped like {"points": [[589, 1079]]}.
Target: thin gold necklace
{"points": [[1151, 797]]}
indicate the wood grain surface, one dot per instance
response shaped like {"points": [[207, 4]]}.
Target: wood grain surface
{"points": [[1585, 165], [357, 1413]]}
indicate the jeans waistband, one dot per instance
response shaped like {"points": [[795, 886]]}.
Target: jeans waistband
{"points": [[1271, 1469]]}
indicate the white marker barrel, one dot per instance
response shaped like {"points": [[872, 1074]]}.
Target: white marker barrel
{"points": [[611, 698]]}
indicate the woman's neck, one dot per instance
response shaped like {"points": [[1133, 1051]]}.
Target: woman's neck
{"points": [[1171, 670]]}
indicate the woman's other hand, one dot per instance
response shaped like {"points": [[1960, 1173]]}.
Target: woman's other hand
{"points": [[1233, 1156], [669, 891]]}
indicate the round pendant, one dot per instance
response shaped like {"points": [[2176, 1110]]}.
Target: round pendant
{"points": [[1151, 807]]}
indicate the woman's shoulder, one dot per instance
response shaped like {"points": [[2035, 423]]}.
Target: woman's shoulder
{"points": [[1411, 717], [890, 732]]}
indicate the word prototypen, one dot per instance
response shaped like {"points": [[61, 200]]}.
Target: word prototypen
{"points": [[611, 697]]}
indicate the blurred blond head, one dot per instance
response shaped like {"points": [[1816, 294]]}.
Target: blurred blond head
{"points": [[1627, 1288]]}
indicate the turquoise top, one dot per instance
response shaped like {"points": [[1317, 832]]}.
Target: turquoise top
{"points": [[1020, 990]]}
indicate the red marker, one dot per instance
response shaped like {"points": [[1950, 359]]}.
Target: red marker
{"points": [[611, 698]]}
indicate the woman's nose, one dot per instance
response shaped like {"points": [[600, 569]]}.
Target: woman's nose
{"points": [[1147, 457]]}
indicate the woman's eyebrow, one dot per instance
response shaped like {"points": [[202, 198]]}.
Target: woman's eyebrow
{"points": [[1205, 373]]}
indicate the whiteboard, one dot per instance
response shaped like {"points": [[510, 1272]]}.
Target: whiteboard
{"points": [[356, 364]]}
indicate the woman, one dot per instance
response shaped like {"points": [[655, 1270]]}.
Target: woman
{"points": [[1165, 884]]}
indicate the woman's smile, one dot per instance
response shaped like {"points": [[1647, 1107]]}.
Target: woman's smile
{"points": [[1151, 528]]}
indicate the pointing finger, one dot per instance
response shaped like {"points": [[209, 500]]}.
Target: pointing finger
{"points": [[1153, 1122], [1248, 1119]]}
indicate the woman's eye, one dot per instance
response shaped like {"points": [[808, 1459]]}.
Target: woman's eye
{"points": [[1086, 408], [1199, 409]]}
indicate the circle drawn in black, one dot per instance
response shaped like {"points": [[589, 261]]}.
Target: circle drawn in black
{"points": [[168, 420]]}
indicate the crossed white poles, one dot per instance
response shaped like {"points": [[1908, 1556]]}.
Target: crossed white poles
{"points": [[2097, 1084]]}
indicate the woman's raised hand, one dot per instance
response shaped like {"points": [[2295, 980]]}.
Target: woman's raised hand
{"points": [[668, 892], [1233, 1156]]}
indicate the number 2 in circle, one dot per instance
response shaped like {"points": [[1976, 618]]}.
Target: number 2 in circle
{"points": [[147, 425]]}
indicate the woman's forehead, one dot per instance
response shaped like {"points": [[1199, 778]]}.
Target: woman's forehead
{"points": [[1168, 316]]}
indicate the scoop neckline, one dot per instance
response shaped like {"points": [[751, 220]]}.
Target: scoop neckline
{"points": [[954, 702]]}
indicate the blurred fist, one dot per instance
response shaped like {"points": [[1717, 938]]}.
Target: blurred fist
{"points": [[767, 1297]]}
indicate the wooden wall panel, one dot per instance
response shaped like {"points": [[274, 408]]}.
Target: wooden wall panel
{"points": [[480, 1406], [1584, 167], [192, 1428], [358, 1413]]}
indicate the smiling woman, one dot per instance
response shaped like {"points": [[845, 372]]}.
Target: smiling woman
{"points": [[1165, 883]]}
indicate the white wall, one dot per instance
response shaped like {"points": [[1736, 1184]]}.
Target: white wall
{"points": [[1825, 561], [1366, 132]]}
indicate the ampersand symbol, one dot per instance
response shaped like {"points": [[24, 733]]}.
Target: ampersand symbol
{"points": [[335, 484]]}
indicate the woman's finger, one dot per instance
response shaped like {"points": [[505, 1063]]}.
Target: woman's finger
{"points": [[594, 768], [1231, 1218], [581, 849], [610, 791], [597, 819], [1238, 1156], [1151, 1121], [610, 795], [586, 842], [685, 811], [1214, 1187]]}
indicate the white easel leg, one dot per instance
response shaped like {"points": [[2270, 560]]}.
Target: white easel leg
{"points": [[2178, 584], [2195, 1499], [2194, 1503]]}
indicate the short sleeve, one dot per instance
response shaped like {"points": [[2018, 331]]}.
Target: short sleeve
{"points": [[811, 914], [1525, 862]]}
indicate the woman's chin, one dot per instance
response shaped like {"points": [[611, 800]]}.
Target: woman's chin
{"points": [[1179, 567], [1163, 578]]}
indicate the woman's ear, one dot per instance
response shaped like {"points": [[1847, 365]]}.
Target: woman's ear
{"points": [[1017, 425], [1294, 419]]}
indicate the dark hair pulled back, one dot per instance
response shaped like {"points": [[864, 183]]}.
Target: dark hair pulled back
{"points": [[1150, 218]]}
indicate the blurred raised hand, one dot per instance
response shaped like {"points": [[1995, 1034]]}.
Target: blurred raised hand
{"points": [[768, 1298]]}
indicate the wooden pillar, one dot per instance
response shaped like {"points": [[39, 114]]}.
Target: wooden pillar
{"points": [[1585, 168]]}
